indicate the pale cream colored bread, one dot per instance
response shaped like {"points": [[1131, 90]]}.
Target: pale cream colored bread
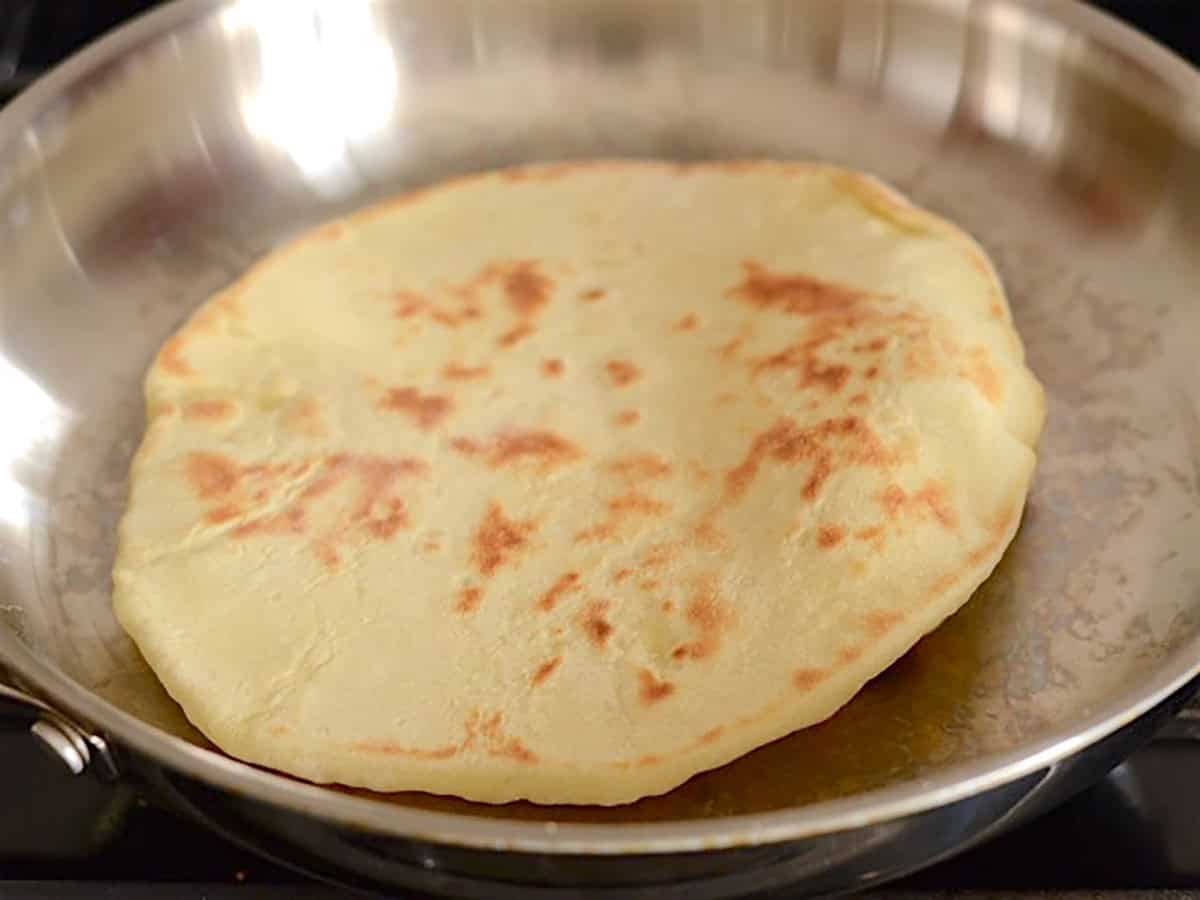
{"points": [[569, 482]]}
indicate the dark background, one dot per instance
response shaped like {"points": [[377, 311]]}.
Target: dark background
{"points": [[34, 34], [67, 837]]}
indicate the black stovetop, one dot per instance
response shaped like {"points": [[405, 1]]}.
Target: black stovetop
{"points": [[66, 837], [1139, 829]]}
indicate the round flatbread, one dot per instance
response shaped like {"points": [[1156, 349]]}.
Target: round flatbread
{"points": [[568, 482]]}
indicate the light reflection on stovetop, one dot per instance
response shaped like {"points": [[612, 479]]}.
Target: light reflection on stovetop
{"points": [[1139, 828]]}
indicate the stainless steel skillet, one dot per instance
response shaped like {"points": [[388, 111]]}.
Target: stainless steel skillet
{"points": [[152, 168]]}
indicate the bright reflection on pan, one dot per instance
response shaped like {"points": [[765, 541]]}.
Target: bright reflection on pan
{"points": [[1019, 96], [31, 415], [327, 80]]}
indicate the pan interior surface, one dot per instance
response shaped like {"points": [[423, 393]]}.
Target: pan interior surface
{"points": [[154, 169]]}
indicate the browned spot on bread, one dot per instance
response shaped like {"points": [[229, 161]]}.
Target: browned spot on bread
{"points": [[794, 294], [602, 531], [328, 555], [668, 606], [659, 555], [859, 400], [484, 733], [879, 622], [620, 509], [931, 501], [921, 362], [222, 514], [498, 539], [459, 372], [893, 499], [811, 370], [807, 679], [712, 734], [872, 533], [622, 372], [382, 515], [553, 368], [833, 313], [592, 295], [515, 335], [627, 417], [212, 475], [567, 584], [406, 304], [431, 546], [639, 504], [649, 584], [829, 536], [471, 291], [467, 446], [622, 575], [933, 496], [849, 655], [594, 624], [984, 376], [650, 759], [427, 410], [546, 669], [469, 599], [872, 372], [514, 748], [639, 466], [687, 323], [710, 618], [528, 289], [826, 447], [875, 345], [651, 689], [390, 748], [171, 360], [729, 350], [545, 448], [709, 536], [279, 729], [410, 305], [210, 410], [378, 512]]}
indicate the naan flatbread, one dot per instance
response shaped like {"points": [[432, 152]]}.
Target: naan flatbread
{"points": [[569, 482]]}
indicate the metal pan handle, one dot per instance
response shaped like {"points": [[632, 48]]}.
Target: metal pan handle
{"points": [[77, 748]]}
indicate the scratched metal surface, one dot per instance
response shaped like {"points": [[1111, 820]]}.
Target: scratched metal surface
{"points": [[1067, 148]]}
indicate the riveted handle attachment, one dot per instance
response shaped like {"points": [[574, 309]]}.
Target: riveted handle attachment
{"points": [[77, 748]]}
